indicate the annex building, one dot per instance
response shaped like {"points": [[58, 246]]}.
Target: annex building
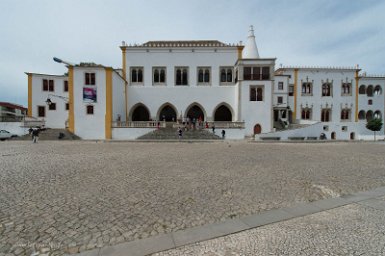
{"points": [[226, 85]]}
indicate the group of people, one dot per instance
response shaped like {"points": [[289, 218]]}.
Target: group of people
{"points": [[180, 131]]}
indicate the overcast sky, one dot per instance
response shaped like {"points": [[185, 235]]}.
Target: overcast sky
{"points": [[296, 32]]}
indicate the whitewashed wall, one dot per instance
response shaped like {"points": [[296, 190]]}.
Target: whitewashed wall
{"points": [[54, 118], [317, 102], [181, 97], [281, 93], [377, 100], [118, 97], [315, 130], [90, 126]]}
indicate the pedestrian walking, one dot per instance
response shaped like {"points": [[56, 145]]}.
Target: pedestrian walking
{"points": [[180, 133], [223, 134], [213, 128], [35, 135]]}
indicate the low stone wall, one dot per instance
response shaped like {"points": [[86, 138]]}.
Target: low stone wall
{"points": [[14, 127], [129, 133], [341, 131]]}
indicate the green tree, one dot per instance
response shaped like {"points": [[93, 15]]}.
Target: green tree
{"points": [[374, 125]]}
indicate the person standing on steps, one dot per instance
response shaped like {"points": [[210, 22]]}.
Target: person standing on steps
{"points": [[223, 134], [213, 128]]}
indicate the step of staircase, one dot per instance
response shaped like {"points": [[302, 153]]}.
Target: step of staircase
{"points": [[170, 133], [52, 134]]}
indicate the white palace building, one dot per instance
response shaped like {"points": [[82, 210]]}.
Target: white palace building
{"points": [[231, 86]]}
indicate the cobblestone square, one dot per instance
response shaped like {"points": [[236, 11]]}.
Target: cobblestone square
{"points": [[67, 197]]}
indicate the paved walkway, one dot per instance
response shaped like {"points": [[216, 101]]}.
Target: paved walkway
{"points": [[347, 225], [60, 197]]}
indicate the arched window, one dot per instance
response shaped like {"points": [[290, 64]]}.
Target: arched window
{"points": [[253, 94], [184, 76], [325, 115], [362, 115], [326, 89], [303, 88], [163, 75], [134, 76], [156, 76], [369, 115], [200, 76], [159, 75], [369, 91], [207, 76], [259, 94], [362, 89], [346, 88], [140, 75], [229, 75], [181, 77], [306, 114], [137, 74], [307, 88], [377, 115], [345, 114], [377, 90], [203, 75], [178, 77], [223, 76]]}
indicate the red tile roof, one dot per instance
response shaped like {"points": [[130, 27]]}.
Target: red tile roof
{"points": [[11, 105]]}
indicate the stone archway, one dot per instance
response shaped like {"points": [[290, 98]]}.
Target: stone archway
{"points": [[140, 113], [223, 113], [167, 113], [257, 129], [195, 111]]}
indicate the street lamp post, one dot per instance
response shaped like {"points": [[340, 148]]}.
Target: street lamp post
{"points": [[49, 101], [69, 100]]}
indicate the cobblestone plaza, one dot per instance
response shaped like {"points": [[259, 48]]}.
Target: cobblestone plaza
{"points": [[68, 197]]}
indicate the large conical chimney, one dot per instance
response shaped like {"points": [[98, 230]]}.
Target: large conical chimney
{"points": [[250, 51]]}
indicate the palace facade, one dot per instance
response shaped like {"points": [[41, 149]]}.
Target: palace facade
{"points": [[228, 85]]}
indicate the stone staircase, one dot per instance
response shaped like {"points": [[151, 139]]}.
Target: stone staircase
{"points": [[52, 134], [170, 133]]}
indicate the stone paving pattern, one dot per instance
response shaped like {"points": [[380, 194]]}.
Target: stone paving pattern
{"points": [[348, 230], [68, 197]]}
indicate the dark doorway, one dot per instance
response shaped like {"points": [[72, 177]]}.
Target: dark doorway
{"points": [[223, 113], [276, 115], [195, 112], [257, 129], [352, 135], [140, 114], [167, 114], [333, 135]]}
